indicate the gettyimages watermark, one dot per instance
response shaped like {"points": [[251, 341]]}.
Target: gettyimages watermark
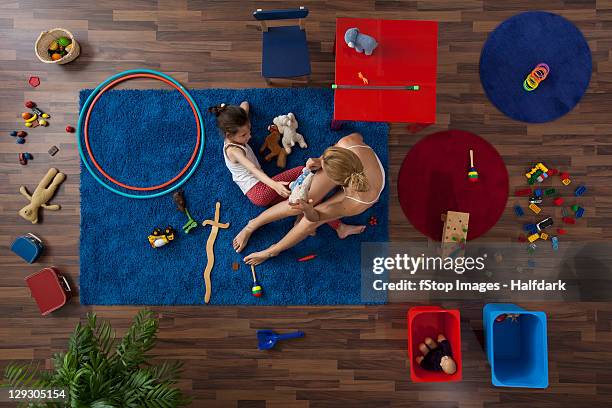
{"points": [[411, 264], [401, 272]]}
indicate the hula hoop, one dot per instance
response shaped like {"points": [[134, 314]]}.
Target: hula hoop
{"points": [[83, 129]]}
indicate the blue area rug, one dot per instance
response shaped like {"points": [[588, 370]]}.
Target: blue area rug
{"points": [[146, 137], [514, 49]]}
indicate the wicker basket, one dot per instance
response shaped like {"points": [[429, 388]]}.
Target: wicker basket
{"points": [[47, 37]]}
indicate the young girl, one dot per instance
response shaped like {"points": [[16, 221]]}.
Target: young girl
{"points": [[234, 124]]}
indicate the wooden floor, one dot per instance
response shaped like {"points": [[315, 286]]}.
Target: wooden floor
{"points": [[351, 356]]}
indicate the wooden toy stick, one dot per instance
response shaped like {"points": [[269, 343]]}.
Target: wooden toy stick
{"points": [[253, 273], [210, 251], [471, 158], [378, 87]]}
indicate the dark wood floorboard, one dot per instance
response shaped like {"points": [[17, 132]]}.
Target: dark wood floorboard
{"points": [[351, 356]]}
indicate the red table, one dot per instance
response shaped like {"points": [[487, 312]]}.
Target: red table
{"points": [[406, 55]]}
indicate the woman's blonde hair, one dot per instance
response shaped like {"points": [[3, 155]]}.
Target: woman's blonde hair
{"points": [[344, 168]]}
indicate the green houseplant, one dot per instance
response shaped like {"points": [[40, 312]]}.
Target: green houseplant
{"points": [[99, 371]]}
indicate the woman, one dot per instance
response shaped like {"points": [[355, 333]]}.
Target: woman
{"points": [[350, 164]]}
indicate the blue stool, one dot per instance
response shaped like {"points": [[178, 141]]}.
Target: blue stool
{"points": [[284, 49], [516, 348]]}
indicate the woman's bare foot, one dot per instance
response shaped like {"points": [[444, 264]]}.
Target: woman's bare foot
{"points": [[345, 230], [257, 258], [241, 240]]}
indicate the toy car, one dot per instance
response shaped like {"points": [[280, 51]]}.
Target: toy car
{"points": [[545, 223], [535, 200], [159, 239]]}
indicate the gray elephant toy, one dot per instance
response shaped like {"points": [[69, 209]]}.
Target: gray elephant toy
{"points": [[360, 42]]}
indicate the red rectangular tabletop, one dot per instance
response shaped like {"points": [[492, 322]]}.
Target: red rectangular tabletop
{"points": [[406, 55]]}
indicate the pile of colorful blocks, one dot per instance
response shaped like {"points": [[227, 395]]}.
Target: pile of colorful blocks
{"points": [[536, 231]]}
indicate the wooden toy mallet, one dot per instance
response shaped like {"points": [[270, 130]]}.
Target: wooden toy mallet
{"points": [[256, 290], [210, 250], [472, 173]]}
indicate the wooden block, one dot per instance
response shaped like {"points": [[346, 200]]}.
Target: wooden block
{"points": [[533, 237], [455, 227], [543, 236]]}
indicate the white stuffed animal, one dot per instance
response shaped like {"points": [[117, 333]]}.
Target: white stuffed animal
{"points": [[287, 125], [301, 186]]}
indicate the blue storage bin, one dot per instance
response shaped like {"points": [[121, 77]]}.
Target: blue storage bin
{"points": [[517, 349]]}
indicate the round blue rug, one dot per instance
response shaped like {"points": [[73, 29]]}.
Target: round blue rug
{"points": [[514, 49]]}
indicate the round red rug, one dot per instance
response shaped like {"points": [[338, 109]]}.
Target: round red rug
{"points": [[433, 180]]}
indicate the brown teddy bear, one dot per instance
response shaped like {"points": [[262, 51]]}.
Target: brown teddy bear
{"points": [[272, 142]]}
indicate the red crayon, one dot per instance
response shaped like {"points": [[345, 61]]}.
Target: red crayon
{"points": [[307, 258]]}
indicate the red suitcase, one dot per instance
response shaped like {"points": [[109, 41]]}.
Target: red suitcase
{"points": [[50, 289]]}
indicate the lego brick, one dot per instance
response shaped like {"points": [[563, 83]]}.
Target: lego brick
{"points": [[535, 208]]}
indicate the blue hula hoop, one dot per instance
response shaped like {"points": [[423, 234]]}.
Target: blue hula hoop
{"points": [[85, 108]]}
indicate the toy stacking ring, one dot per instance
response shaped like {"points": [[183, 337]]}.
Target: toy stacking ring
{"points": [[539, 73], [83, 127]]}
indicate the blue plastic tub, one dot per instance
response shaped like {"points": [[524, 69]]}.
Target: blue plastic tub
{"points": [[517, 348]]}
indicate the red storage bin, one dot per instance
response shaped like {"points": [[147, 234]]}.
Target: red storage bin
{"points": [[429, 321], [50, 289]]}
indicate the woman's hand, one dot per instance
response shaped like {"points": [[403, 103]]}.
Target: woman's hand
{"points": [[281, 188], [305, 206], [313, 164]]}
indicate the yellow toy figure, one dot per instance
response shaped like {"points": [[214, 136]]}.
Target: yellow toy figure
{"points": [[43, 193]]}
